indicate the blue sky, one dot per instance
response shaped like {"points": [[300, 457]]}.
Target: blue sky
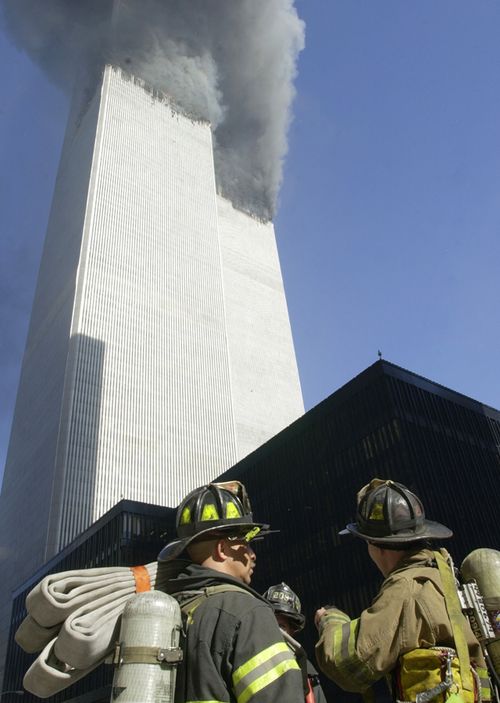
{"points": [[389, 219], [390, 210]]}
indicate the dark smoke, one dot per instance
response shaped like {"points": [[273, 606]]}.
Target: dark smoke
{"points": [[230, 61]]}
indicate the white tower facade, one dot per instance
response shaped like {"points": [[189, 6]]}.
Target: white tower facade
{"points": [[159, 350]]}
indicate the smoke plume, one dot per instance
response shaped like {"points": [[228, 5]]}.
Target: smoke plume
{"points": [[229, 61]]}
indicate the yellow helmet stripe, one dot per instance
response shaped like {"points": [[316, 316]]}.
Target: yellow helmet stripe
{"points": [[185, 516], [232, 510], [209, 512]]}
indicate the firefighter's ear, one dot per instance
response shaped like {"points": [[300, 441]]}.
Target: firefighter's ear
{"points": [[200, 552], [221, 552]]}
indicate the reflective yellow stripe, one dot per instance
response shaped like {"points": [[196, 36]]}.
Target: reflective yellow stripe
{"points": [[232, 510], [332, 617], [353, 629], [267, 679], [335, 616], [483, 677], [260, 670], [347, 663], [484, 683], [258, 659], [209, 512], [185, 516], [344, 640], [337, 642]]}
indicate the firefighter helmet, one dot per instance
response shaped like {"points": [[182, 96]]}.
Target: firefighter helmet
{"points": [[217, 508], [287, 603], [389, 513]]}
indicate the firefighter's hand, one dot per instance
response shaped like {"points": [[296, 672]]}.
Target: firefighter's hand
{"points": [[319, 614]]}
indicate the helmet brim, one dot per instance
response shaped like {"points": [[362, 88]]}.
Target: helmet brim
{"points": [[429, 530], [175, 548], [298, 620]]}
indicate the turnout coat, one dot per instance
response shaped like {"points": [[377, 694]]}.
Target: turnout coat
{"points": [[409, 613], [234, 650]]}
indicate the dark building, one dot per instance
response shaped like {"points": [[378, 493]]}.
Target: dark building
{"points": [[129, 534], [386, 422]]}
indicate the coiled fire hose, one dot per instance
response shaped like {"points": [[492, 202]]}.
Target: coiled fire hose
{"points": [[73, 621]]}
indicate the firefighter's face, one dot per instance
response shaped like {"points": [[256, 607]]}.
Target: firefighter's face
{"points": [[240, 559], [285, 623]]}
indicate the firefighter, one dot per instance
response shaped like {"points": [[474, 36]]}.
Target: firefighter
{"points": [[414, 632], [234, 651], [288, 612]]}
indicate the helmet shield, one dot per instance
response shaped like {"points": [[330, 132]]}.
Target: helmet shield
{"points": [[286, 602], [389, 513]]}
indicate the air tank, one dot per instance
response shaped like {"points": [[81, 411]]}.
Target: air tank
{"points": [[148, 651], [483, 565]]}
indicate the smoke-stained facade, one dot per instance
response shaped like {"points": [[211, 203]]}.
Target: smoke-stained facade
{"points": [[159, 349], [230, 63]]}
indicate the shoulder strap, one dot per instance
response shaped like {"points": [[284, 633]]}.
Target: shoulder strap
{"points": [[291, 642], [223, 587], [301, 659], [456, 617], [190, 605]]}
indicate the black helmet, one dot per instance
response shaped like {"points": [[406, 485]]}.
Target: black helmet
{"points": [[286, 602], [389, 513], [218, 508]]}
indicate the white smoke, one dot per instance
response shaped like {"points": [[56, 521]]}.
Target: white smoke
{"points": [[232, 62]]}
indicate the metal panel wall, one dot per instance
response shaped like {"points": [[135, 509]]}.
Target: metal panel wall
{"points": [[129, 535], [389, 423]]}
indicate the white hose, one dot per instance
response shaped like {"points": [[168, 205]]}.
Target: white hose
{"points": [[88, 634], [47, 676], [32, 637], [82, 608], [59, 595]]}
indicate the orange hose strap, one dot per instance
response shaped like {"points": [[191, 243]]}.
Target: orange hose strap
{"points": [[141, 578]]}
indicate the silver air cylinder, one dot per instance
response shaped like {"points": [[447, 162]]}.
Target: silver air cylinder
{"points": [[148, 652], [483, 565]]}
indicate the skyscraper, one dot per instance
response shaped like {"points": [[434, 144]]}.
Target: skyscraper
{"points": [[159, 350]]}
